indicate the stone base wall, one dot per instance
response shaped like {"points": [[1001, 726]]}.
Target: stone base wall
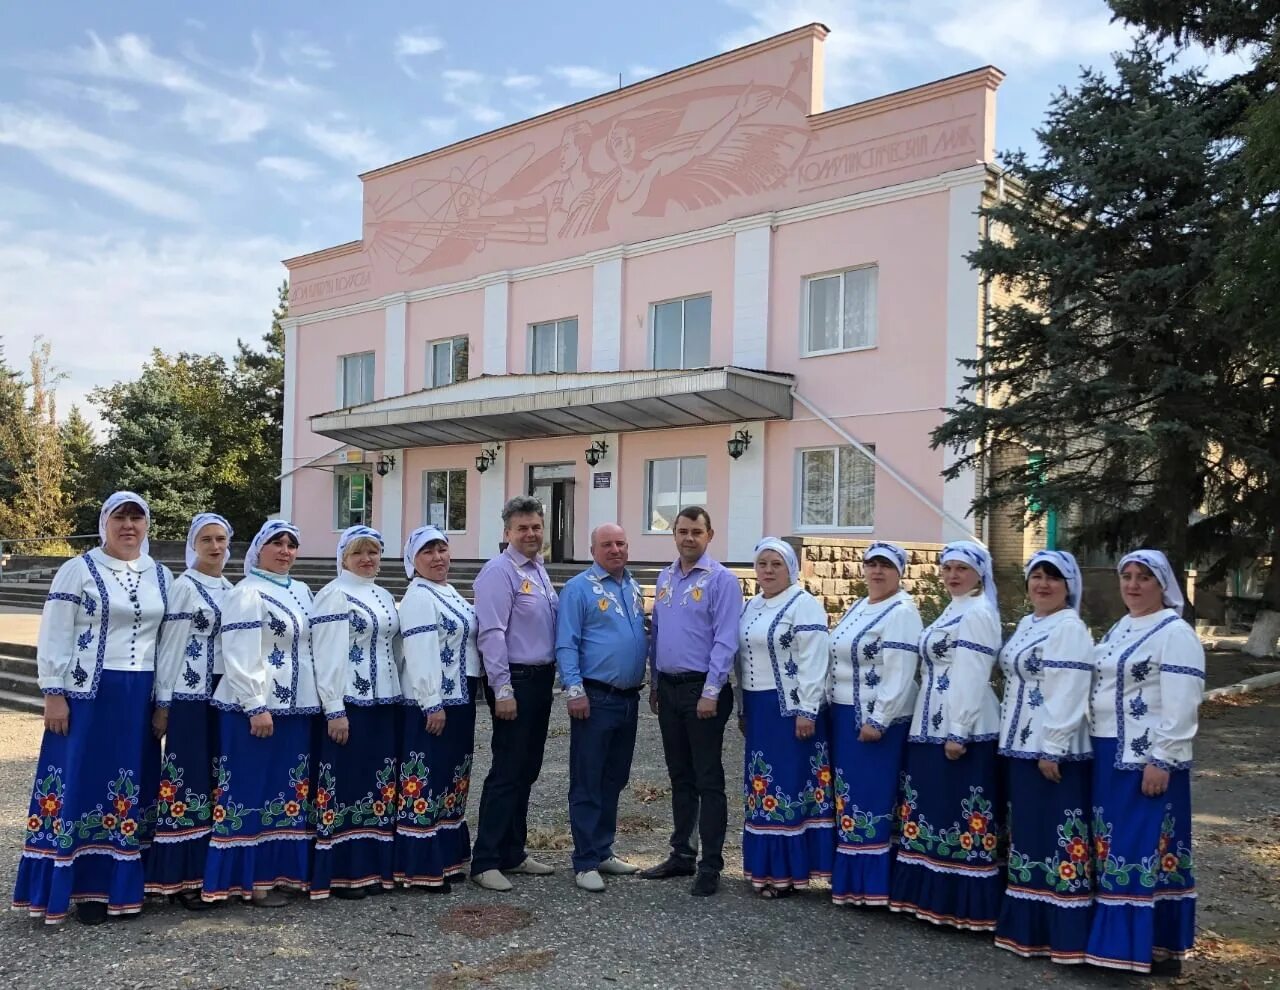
{"points": [[831, 569]]}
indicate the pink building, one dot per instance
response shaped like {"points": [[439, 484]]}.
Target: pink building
{"points": [[602, 305]]}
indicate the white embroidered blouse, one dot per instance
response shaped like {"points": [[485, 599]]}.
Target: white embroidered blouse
{"points": [[439, 652], [956, 702], [875, 651], [1048, 669], [783, 646], [355, 639], [190, 653]]}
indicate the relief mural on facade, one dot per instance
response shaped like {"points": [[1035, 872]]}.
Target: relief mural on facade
{"points": [[674, 154]]}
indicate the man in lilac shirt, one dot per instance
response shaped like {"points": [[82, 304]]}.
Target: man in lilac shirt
{"points": [[516, 620], [693, 641]]}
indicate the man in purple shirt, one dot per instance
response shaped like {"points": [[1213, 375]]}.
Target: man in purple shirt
{"points": [[692, 644], [516, 622]]}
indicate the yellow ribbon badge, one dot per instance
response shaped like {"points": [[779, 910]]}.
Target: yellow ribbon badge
{"points": [[525, 587], [603, 604], [696, 594]]}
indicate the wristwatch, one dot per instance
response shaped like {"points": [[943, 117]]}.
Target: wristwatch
{"points": [[576, 691]]}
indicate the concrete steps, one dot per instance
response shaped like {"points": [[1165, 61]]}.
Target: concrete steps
{"points": [[19, 687]]}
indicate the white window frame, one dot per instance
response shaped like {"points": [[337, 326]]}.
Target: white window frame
{"points": [[648, 489], [349, 471], [343, 402], [798, 491], [558, 324], [426, 516], [873, 304], [429, 379], [653, 329]]}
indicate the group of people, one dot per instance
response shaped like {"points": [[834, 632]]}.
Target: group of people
{"points": [[211, 741]]}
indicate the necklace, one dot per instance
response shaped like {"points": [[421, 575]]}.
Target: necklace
{"points": [[130, 587]]}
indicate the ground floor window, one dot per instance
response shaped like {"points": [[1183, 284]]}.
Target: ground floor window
{"points": [[671, 484], [837, 489], [352, 497], [444, 499]]}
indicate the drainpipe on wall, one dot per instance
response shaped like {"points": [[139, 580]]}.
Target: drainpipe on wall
{"points": [[879, 462]]}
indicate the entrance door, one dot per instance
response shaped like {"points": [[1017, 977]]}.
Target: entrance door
{"points": [[553, 485]]}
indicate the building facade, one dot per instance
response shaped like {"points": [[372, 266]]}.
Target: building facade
{"points": [[701, 288]]}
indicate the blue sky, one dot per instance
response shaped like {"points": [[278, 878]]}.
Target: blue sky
{"points": [[157, 160]]}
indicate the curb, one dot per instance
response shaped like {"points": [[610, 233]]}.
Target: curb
{"points": [[1245, 686]]}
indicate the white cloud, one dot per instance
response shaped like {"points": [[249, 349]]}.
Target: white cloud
{"points": [[296, 169], [119, 296], [413, 44], [462, 77], [585, 77], [468, 90], [297, 52], [643, 71], [110, 99], [143, 195], [518, 80], [356, 145], [1029, 32], [40, 133], [440, 128]]}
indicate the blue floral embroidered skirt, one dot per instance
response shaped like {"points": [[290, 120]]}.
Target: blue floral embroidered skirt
{"points": [[1144, 877], [866, 788], [946, 869], [184, 808], [356, 802], [262, 807], [91, 806], [787, 837], [432, 839], [1048, 894]]}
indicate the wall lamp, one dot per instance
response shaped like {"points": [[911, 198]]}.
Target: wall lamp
{"points": [[386, 464], [487, 457], [596, 451], [738, 444]]}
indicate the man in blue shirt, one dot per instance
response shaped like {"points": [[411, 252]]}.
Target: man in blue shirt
{"points": [[601, 649]]}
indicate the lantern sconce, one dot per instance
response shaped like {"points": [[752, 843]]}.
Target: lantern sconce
{"points": [[595, 452], [738, 444], [386, 464], [486, 457]]}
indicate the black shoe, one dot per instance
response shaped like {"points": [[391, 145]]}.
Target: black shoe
{"points": [[706, 884], [349, 893], [375, 890], [672, 866], [192, 901], [1167, 967], [442, 888], [91, 912]]}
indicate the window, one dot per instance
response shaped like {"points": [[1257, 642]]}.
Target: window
{"points": [[673, 484], [840, 311], [837, 489], [553, 347], [355, 379], [352, 497], [444, 499], [682, 333], [447, 361]]}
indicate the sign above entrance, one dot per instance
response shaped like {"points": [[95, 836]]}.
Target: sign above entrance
{"points": [[602, 479]]}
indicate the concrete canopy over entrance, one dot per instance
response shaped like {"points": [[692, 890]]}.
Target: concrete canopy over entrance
{"points": [[494, 408]]}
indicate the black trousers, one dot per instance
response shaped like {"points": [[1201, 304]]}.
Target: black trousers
{"points": [[517, 760], [693, 749]]}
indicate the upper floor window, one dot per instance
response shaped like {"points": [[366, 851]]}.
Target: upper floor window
{"points": [[447, 361], [840, 311], [837, 488], [553, 347], [682, 333], [355, 379]]}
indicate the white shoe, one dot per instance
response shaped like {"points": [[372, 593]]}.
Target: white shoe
{"points": [[590, 880], [532, 867], [492, 880], [615, 867]]}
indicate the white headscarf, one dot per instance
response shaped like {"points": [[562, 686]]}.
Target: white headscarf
{"points": [[974, 555], [891, 552], [269, 531], [202, 520], [1158, 564], [418, 539], [114, 502], [783, 550], [353, 533], [1067, 567]]}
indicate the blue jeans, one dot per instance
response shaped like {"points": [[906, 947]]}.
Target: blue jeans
{"points": [[600, 751]]}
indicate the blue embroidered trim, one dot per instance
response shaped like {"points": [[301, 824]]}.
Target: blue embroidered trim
{"points": [[373, 646], [813, 627], [315, 620], [1020, 754], [232, 626], [293, 648], [1171, 668], [1172, 765], [773, 656], [370, 702], [464, 641], [52, 691], [854, 656], [104, 624], [1022, 688], [1120, 763], [417, 630], [252, 711], [938, 740], [333, 716], [62, 596], [160, 704], [1069, 665], [432, 710], [178, 616], [888, 644], [976, 647], [212, 641]]}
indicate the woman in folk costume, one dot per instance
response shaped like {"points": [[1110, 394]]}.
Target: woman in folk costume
{"points": [[440, 675], [96, 776], [1148, 681], [945, 871], [783, 653], [1044, 735], [355, 639], [267, 705], [874, 656], [188, 669]]}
